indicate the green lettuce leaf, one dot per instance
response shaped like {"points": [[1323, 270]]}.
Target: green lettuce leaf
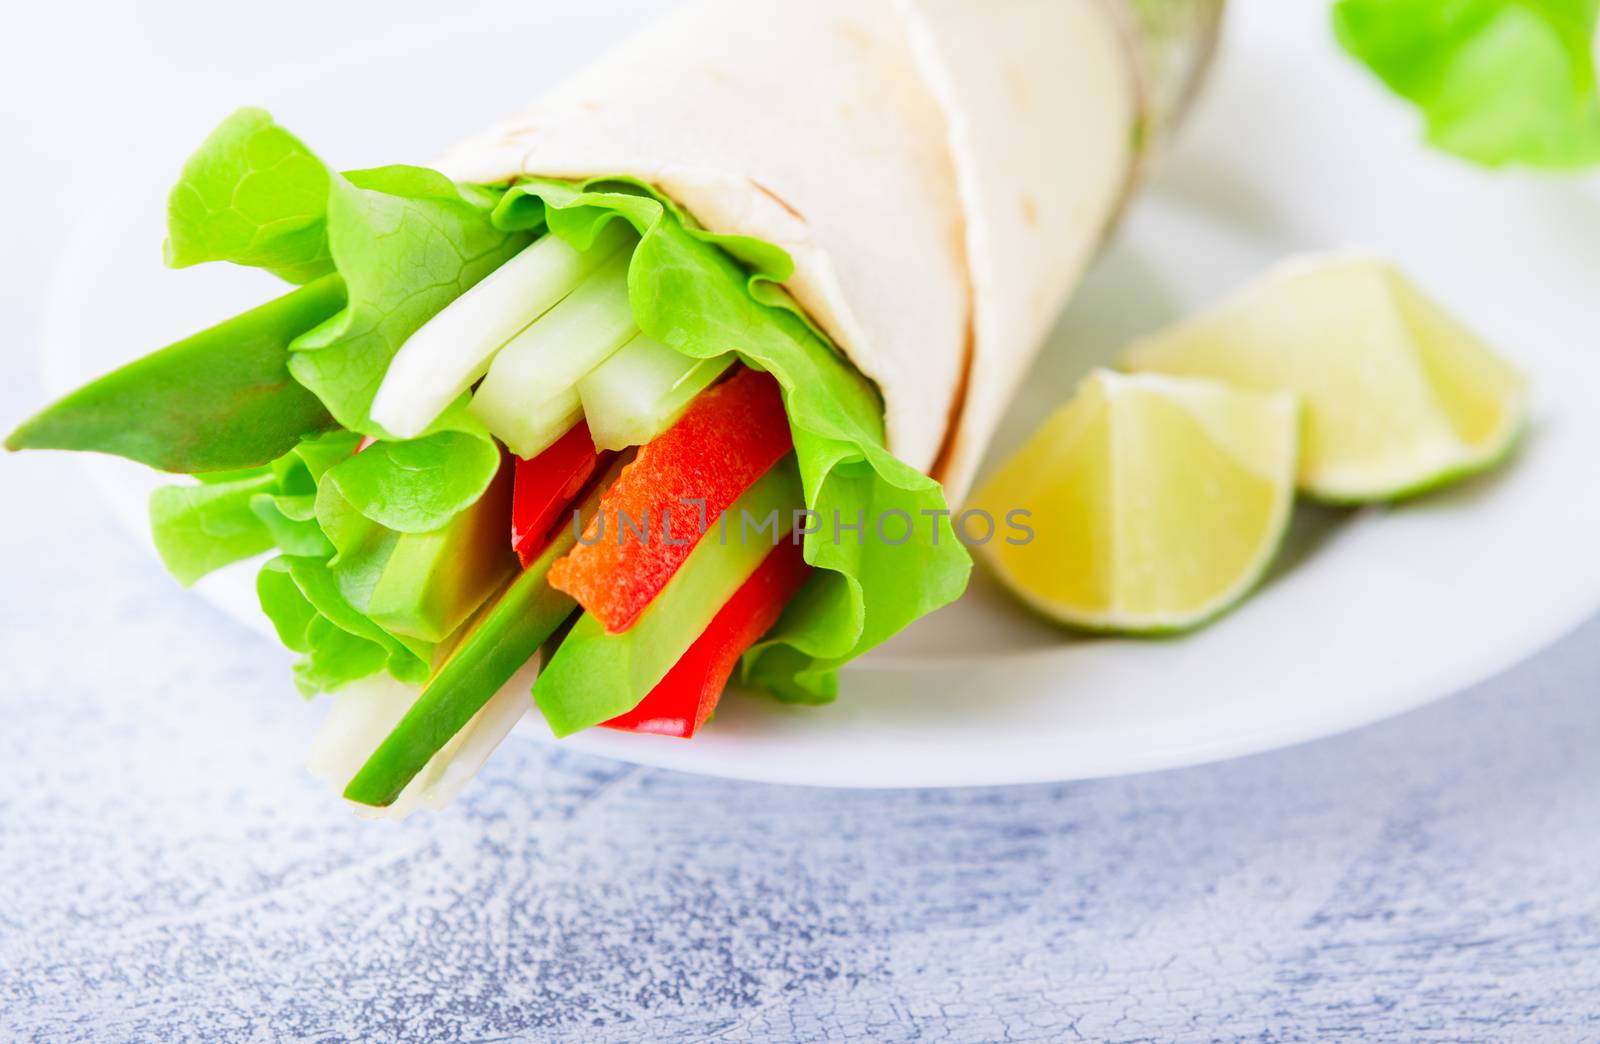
{"points": [[317, 456], [337, 645], [361, 547], [418, 485], [690, 291], [230, 516], [387, 514], [201, 528], [1498, 81], [335, 657], [254, 195], [302, 593], [407, 658], [292, 523], [407, 241]]}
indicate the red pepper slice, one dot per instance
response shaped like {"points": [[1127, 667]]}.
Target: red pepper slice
{"points": [[546, 484], [683, 700], [729, 437]]}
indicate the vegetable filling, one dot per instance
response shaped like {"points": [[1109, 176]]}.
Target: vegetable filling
{"points": [[564, 395]]}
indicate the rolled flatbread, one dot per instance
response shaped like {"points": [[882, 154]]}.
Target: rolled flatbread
{"points": [[940, 171]]}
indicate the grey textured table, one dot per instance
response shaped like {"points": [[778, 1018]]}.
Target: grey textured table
{"points": [[167, 872]]}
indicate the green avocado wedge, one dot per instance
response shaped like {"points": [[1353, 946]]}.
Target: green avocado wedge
{"points": [[434, 581], [506, 634], [220, 400]]}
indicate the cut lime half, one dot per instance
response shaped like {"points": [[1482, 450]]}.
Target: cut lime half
{"points": [[1154, 503]]}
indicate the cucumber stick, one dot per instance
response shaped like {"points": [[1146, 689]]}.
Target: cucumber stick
{"points": [[544, 362], [546, 423], [454, 348], [641, 390]]}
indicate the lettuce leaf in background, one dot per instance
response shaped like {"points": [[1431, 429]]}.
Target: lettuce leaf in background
{"points": [[361, 547], [688, 292], [317, 591], [1498, 81], [304, 600], [289, 512], [334, 658]]}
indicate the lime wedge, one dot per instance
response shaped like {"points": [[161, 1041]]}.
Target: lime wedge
{"points": [[1399, 396], [1154, 502]]}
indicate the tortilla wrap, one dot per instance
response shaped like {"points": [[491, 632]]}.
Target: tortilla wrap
{"points": [[941, 171]]}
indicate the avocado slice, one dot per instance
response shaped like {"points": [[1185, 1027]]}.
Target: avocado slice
{"points": [[433, 581]]}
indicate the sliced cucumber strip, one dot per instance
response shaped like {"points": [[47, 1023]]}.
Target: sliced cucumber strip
{"points": [[544, 362], [455, 347], [530, 428], [641, 390]]}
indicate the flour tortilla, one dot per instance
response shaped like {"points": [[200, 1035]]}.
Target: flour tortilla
{"points": [[1039, 102], [940, 171]]}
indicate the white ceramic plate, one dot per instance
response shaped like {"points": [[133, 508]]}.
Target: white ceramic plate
{"points": [[1369, 613]]}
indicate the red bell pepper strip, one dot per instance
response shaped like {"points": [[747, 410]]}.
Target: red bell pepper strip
{"points": [[546, 484], [683, 700], [731, 435]]}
